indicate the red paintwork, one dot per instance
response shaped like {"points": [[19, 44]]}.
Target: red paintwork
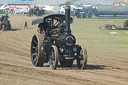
{"points": [[13, 6]]}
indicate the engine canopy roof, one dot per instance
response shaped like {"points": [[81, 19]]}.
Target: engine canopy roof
{"points": [[59, 17]]}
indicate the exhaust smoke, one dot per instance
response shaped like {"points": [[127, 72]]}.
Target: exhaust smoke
{"points": [[72, 1]]}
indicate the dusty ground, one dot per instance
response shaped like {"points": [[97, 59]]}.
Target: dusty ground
{"points": [[16, 67]]}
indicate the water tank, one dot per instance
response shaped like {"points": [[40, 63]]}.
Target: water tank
{"points": [[112, 10]]}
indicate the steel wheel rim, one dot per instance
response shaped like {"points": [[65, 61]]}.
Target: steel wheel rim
{"points": [[82, 58], [34, 51], [52, 58]]}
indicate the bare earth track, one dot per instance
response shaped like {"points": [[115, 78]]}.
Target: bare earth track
{"points": [[16, 67]]}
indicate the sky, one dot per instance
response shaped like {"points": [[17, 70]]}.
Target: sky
{"points": [[77, 1], [53, 2], [3, 1]]}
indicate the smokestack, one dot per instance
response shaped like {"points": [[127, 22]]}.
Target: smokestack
{"points": [[67, 18]]}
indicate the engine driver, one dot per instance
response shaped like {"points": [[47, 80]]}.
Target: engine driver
{"points": [[42, 27]]}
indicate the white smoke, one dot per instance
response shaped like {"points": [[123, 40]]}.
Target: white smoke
{"points": [[73, 1], [69, 2], [126, 1]]}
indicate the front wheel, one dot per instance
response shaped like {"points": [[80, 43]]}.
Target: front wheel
{"points": [[53, 60], [82, 58]]}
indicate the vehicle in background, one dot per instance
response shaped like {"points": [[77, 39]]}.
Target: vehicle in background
{"points": [[4, 23], [21, 10], [38, 11], [86, 12], [112, 11], [110, 26]]}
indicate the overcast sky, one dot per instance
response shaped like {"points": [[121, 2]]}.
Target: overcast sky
{"points": [[52, 2], [78, 1]]}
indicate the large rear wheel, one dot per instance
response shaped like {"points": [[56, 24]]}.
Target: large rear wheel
{"points": [[37, 54], [82, 58], [53, 60]]}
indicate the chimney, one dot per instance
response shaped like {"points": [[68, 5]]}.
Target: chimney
{"points": [[67, 18]]}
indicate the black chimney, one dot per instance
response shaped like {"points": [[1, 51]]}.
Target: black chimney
{"points": [[67, 18]]}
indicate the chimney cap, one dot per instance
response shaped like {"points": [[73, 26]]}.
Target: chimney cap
{"points": [[67, 7]]}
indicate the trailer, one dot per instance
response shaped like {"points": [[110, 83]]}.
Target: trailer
{"points": [[114, 27]]}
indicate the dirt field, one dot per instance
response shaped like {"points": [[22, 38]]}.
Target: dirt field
{"points": [[107, 63]]}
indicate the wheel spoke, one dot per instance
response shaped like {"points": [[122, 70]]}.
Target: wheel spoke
{"points": [[34, 47], [36, 59], [34, 54], [53, 54], [81, 62], [81, 52], [53, 59], [36, 42]]}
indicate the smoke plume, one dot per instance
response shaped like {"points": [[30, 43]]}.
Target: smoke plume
{"points": [[72, 1]]}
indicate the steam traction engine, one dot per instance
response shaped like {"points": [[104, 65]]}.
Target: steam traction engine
{"points": [[57, 43], [4, 23]]}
